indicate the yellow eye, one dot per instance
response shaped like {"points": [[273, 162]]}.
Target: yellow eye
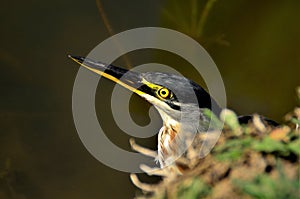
{"points": [[163, 92]]}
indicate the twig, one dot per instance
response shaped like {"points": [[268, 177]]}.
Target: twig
{"points": [[111, 32], [204, 15], [154, 171], [143, 186], [142, 150]]}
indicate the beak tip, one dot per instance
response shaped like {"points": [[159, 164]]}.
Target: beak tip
{"points": [[77, 59]]}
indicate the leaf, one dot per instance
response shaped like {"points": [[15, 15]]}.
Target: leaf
{"points": [[265, 186], [295, 121], [280, 133], [234, 143], [230, 119], [230, 155], [194, 189], [295, 147], [215, 122], [269, 145]]}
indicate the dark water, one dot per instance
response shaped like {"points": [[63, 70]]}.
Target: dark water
{"points": [[39, 144]]}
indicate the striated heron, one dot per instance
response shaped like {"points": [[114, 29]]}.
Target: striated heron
{"points": [[164, 91]]}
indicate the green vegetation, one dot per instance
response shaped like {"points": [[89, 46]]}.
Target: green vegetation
{"points": [[260, 161], [264, 186]]}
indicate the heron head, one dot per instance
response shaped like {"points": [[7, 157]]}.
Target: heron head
{"points": [[169, 93]]}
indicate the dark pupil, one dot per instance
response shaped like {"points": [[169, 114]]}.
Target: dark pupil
{"points": [[163, 92]]}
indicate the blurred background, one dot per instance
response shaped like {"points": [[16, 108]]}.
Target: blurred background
{"points": [[255, 44]]}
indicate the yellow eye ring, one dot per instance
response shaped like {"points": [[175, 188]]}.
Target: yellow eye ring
{"points": [[163, 92]]}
